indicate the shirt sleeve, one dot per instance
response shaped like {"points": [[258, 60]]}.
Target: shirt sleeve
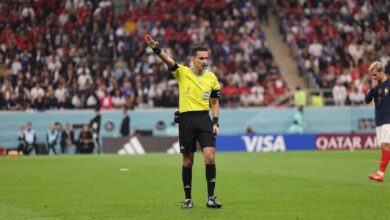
{"points": [[370, 95], [178, 72], [216, 85]]}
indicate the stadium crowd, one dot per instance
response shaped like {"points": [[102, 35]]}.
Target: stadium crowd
{"points": [[76, 54], [335, 41]]}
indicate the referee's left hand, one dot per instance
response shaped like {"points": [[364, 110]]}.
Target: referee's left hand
{"points": [[151, 42], [215, 129]]}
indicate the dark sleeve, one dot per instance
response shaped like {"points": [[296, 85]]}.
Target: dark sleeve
{"points": [[62, 139], [370, 95], [98, 121], [72, 137], [57, 137], [125, 127], [90, 136], [90, 139]]}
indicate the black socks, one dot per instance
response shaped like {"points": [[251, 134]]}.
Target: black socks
{"points": [[210, 177], [187, 179]]}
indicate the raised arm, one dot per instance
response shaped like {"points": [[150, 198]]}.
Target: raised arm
{"points": [[161, 54], [370, 94]]}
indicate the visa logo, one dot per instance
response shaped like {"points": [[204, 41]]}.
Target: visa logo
{"points": [[264, 143]]}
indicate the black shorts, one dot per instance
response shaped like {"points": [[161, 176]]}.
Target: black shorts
{"points": [[195, 126]]}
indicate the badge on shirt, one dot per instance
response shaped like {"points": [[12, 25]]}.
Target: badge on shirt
{"points": [[206, 95], [386, 90]]}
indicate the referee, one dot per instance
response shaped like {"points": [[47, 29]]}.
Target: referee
{"points": [[199, 90]]}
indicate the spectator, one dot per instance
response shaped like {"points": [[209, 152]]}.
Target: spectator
{"points": [[37, 92], [3, 102], [317, 99], [77, 46], [39, 104], [60, 94], [68, 144], [298, 119], [30, 139], [250, 131], [52, 138], [333, 41], [299, 97], [22, 148], [50, 101], [356, 97], [13, 103], [294, 128], [125, 125], [7, 90], [339, 94], [106, 101], [76, 102], [257, 95], [95, 129], [263, 11], [86, 141], [91, 101], [118, 100]]}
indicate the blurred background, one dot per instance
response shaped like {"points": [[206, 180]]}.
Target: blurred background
{"points": [[285, 67]]}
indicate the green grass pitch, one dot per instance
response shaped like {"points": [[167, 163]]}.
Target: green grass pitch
{"points": [[291, 185]]}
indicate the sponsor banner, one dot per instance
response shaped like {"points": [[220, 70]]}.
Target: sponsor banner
{"points": [[248, 143], [140, 144], [346, 141], [266, 143], [245, 143]]}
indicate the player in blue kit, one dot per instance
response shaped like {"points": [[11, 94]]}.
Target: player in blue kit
{"points": [[380, 93]]}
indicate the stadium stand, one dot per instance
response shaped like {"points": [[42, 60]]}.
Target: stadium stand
{"points": [[77, 54], [335, 41]]}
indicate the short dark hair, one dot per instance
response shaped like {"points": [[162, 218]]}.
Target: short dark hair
{"points": [[197, 48]]}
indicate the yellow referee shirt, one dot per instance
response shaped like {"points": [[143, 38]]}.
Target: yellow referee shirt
{"points": [[194, 90]]}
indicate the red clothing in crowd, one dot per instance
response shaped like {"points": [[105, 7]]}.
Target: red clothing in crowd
{"points": [[106, 102]]}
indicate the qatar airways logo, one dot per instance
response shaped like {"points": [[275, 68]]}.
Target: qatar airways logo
{"points": [[346, 142], [264, 143]]}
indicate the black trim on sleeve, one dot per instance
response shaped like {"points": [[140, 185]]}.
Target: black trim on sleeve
{"points": [[215, 94], [174, 68]]}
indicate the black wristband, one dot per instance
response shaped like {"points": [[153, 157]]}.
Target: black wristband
{"points": [[156, 50], [216, 121]]}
